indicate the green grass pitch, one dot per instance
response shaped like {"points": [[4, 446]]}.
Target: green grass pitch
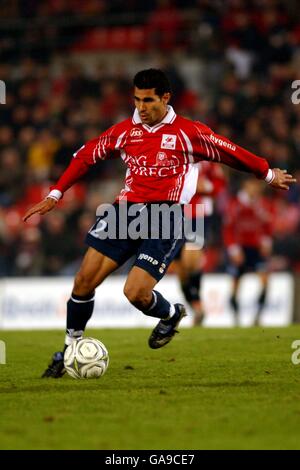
{"points": [[208, 389]]}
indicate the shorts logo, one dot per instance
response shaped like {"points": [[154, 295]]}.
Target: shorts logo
{"points": [[162, 268], [148, 258], [135, 132], [168, 141]]}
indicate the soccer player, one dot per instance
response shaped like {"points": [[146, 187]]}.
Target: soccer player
{"points": [[160, 149], [211, 182], [248, 240]]}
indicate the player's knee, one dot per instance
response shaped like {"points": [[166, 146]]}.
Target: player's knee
{"points": [[83, 284], [138, 296]]}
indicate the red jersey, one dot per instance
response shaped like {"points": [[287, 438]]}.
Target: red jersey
{"points": [[247, 223], [160, 159]]}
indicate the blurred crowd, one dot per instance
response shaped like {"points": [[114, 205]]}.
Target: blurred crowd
{"points": [[249, 55]]}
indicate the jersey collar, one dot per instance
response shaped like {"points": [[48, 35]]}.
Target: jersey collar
{"points": [[168, 119]]}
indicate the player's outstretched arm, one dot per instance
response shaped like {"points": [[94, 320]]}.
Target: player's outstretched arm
{"points": [[218, 148], [282, 179], [41, 208]]}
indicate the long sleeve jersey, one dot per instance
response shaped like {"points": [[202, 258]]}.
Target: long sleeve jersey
{"points": [[161, 160]]}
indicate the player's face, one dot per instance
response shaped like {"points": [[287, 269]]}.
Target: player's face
{"points": [[151, 107]]}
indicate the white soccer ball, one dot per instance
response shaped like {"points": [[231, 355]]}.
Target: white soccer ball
{"points": [[86, 358]]}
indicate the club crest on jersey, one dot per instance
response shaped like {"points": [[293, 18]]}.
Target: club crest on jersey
{"points": [[161, 159], [135, 132], [168, 141]]}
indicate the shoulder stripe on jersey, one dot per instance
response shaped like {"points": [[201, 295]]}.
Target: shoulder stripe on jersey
{"points": [[181, 178], [183, 149], [205, 144], [104, 144], [210, 148], [189, 146], [119, 140], [94, 151], [214, 149]]}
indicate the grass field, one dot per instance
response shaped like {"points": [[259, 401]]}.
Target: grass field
{"points": [[208, 389]]}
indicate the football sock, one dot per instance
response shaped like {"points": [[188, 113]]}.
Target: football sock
{"points": [[160, 307], [234, 304], [262, 298], [79, 311], [261, 303]]}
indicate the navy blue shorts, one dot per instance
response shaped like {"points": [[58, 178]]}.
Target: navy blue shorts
{"points": [[116, 236], [254, 262]]}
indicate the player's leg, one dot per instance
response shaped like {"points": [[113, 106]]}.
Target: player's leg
{"points": [[233, 299], [262, 296], [105, 254], [94, 269], [188, 270], [139, 290], [153, 257], [236, 267]]}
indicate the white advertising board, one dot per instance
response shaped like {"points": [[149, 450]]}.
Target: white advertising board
{"points": [[40, 303]]}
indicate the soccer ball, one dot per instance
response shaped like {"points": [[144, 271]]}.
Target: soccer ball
{"points": [[86, 358]]}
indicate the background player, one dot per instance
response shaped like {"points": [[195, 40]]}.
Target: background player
{"points": [[248, 240], [211, 182]]}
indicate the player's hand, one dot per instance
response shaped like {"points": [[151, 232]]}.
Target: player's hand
{"points": [[282, 179], [41, 208]]}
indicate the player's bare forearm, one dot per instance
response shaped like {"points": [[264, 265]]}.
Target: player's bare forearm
{"points": [[282, 179], [41, 208]]}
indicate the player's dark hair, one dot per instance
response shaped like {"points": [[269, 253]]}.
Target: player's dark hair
{"points": [[152, 78]]}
